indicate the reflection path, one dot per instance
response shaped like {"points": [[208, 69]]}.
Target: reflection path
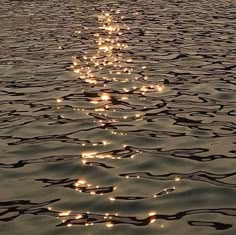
{"points": [[128, 113], [69, 218]]}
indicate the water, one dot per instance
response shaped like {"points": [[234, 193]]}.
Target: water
{"points": [[117, 117]]}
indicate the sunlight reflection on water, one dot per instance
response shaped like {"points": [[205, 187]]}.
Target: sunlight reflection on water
{"points": [[117, 114]]}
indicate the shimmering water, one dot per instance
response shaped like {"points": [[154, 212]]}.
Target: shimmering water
{"points": [[117, 117]]}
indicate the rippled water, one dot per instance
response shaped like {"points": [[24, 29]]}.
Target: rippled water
{"points": [[117, 117]]}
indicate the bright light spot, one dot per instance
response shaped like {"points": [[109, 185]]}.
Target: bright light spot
{"points": [[94, 102], [96, 155], [59, 100], [64, 213], [89, 155], [105, 142], [109, 225], [152, 221], [80, 182], [177, 178], [160, 88], [151, 213], [105, 97]]}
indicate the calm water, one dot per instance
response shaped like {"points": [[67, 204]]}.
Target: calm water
{"points": [[117, 117]]}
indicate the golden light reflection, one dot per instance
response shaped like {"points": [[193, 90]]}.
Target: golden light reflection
{"points": [[91, 155], [160, 88], [80, 182], [105, 97], [59, 100], [101, 67], [78, 216], [152, 220], [105, 142], [108, 219], [107, 40], [108, 57], [151, 213], [177, 178], [64, 213], [109, 225]]}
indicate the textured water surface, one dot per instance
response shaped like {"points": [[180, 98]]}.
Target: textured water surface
{"points": [[117, 117]]}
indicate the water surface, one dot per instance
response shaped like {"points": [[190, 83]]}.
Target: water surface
{"points": [[117, 117]]}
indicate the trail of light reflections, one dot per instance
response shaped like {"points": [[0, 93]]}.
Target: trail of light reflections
{"points": [[10, 210], [107, 59], [114, 98], [126, 152], [105, 56], [115, 219], [79, 185], [109, 220], [82, 186]]}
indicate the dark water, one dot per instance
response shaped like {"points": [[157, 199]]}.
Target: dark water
{"points": [[117, 117]]}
